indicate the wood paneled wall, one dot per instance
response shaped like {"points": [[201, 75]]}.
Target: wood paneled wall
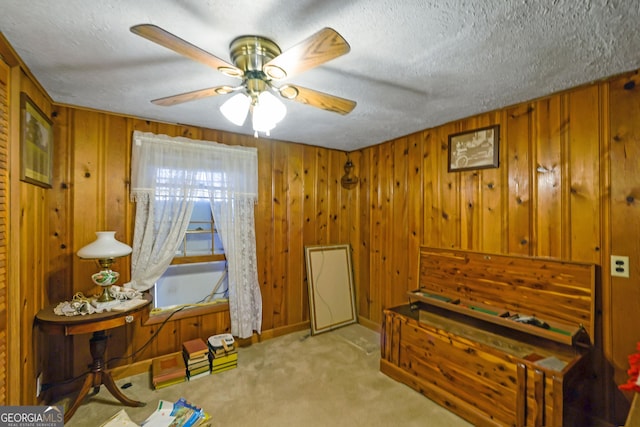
{"points": [[27, 252], [300, 203], [567, 187], [4, 220]]}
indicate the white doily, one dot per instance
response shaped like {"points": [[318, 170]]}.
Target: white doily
{"points": [[81, 305]]}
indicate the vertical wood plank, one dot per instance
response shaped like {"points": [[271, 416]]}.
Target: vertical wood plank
{"points": [[334, 197], [295, 296], [431, 184], [264, 222], [538, 380], [399, 229], [415, 202], [519, 204], [492, 200], [309, 228], [376, 227], [584, 167], [280, 235], [521, 395], [364, 212], [351, 213], [322, 204], [548, 126], [448, 189]]}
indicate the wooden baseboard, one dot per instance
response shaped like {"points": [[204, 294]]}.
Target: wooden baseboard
{"points": [[273, 333], [374, 326], [135, 368]]}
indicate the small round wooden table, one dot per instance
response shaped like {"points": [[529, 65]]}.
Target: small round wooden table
{"points": [[98, 324]]}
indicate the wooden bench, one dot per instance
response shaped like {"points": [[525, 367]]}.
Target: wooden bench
{"points": [[466, 339]]}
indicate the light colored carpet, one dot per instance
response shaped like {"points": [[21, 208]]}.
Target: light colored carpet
{"points": [[330, 379]]}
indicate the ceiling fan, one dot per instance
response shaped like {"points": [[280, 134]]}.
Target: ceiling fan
{"points": [[259, 63]]}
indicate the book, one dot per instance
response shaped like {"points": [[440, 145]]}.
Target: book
{"points": [[224, 368], [199, 364], [199, 370], [195, 348], [167, 383], [199, 375], [186, 414], [224, 363], [167, 367], [195, 360], [221, 350], [215, 361], [221, 353]]}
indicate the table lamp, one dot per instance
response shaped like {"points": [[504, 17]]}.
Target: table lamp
{"points": [[104, 249]]}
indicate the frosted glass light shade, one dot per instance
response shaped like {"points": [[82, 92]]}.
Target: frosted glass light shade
{"points": [[267, 112], [105, 246], [236, 108]]}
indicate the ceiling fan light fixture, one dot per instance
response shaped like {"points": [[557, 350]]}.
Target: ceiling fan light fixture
{"points": [[274, 108], [236, 108], [267, 112], [258, 60]]}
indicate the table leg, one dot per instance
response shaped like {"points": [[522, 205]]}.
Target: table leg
{"points": [[98, 376]]}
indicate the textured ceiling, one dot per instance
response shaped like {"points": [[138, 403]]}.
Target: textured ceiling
{"points": [[413, 64]]}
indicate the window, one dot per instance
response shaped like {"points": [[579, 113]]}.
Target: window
{"points": [[197, 274], [202, 241], [169, 174]]}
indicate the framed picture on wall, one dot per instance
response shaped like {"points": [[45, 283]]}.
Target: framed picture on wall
{"points": [[476, 149], [36, 144]]}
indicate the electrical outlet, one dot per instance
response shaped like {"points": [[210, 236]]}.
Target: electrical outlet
{"points": [[39, 384], [620, 266]]}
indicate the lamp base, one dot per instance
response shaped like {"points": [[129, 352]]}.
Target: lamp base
{"points": [[105, 301], [105, 296]]}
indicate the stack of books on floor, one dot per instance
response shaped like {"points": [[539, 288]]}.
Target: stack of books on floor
{"points": [[222, 352], [167, 370], [196, 358]]}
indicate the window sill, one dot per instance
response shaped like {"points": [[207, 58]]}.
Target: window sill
{"points": [[185, 313]]}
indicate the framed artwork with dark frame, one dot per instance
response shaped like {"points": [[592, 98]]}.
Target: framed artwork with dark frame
{"points": [[476, 149], [36, 144]]}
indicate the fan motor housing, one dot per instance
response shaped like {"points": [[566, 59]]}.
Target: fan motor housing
{"points": [[250, 53]]}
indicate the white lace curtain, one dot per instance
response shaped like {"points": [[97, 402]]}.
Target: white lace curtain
{"points": [[167, 173]]}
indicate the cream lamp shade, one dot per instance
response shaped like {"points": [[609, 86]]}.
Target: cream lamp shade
{"points": [[104, 249], [105, 246]]}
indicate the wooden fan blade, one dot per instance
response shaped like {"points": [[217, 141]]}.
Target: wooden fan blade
{"points": [[321, 47], [192, 96], [176, 44], [318, 99]]}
